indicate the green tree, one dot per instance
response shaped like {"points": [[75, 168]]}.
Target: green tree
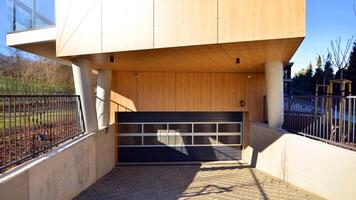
{"points": [[319, 77], [328, 70], [351, 70], [302, 83]]}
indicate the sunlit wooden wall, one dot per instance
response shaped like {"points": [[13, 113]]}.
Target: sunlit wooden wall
{"points": [[102, 26], [170, 91]]}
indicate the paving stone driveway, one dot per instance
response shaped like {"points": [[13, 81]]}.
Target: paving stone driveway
{"points": [[191, 182]]}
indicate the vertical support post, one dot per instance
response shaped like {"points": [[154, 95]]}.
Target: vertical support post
{"points": [[350, 114], [103, 89], [274, 86], [342, 112], [84, 88], [316, 102]]}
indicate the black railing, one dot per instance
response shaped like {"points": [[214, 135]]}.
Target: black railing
{"points": [[33, 124]]}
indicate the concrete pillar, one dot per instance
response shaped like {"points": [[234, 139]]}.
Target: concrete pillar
{"points": [[83, 83], [274, 86], [103, 89]]}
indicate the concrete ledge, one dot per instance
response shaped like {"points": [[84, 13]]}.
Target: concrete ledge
{"points": [[63, 172], [31, 36], [323, 169]]}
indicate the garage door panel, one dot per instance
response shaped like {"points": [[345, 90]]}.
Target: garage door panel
{"points": [[179, 136], [178, 154]]}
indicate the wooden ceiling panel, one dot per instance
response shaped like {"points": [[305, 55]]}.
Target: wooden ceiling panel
{"points": [[204, 58]]}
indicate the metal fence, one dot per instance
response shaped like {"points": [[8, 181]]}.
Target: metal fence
{"points": [[31, 125], [328, 118]]}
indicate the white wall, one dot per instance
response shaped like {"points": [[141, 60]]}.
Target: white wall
{"points": [[63, 172], [323, 169]]}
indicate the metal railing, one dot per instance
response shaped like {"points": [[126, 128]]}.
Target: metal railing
{"points": [[328, 118], [31, 125]]}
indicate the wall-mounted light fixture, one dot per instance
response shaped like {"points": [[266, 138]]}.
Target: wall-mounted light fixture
{"points": [[237, 61], [111, 59], [242, 103]]}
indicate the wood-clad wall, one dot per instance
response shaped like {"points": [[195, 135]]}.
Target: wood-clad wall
{"points": [[92, 26], [173, 91]]}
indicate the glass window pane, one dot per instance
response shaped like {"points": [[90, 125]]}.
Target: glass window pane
{"points": [[44, 14], [204, 128], [29, 14], [180, 140], [23, 19], [155, 128], [204, 139], [132, 140], [180, 128], [155, 140], [10, 16], [229, 128], [233, 139], [130, 128]]}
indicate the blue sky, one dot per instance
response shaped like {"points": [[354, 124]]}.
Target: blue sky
{"points": [[326, 20], [3, 20]]}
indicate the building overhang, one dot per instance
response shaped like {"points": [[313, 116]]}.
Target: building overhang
{"points": [[42, 35], [38, 41], [229, 57], [246, 56]]}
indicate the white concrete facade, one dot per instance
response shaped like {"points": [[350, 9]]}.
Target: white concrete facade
{"points": [[321, 168], [64, 172], [103, 89], [84, 88], [31, 36], [274, 91]]}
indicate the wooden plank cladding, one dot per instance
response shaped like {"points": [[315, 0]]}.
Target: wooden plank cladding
{"points": [[173, 91], [204, 58], [94, 27]]}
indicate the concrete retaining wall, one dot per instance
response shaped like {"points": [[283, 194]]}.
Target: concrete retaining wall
{"points": [[323, 169], [63, 172]]}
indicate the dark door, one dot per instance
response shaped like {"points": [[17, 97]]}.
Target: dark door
{"points": [[179, 136]]}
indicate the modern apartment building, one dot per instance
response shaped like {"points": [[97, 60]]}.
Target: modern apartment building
{"points": [[171, 82], [173, 74]]}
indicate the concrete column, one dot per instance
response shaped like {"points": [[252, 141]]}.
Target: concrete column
{"points": [[103, 89], [83, 83], [274, 86]]}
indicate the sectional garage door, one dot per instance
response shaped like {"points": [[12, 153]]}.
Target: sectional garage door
{"points": [[179, 136]]}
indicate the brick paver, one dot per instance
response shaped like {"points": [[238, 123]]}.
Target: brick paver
{"points": [[191, 182]]}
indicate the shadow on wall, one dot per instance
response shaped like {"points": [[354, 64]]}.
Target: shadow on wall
{"points": [[304, 162], [119, 102], [261, 139], [122, 103]]}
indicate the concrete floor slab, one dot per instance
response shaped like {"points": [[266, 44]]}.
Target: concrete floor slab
{"points": [[191, 182]]}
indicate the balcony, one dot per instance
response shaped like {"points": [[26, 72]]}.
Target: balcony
{"points": [[30, 14]]}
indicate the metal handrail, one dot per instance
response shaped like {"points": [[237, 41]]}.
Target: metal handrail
{"points": [[327, 118]]}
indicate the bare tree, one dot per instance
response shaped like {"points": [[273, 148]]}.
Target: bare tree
{"points": [[34, 74], [339, 54]]}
